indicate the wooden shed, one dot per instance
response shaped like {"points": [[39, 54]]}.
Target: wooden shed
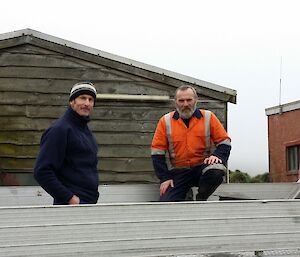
{"points": [[37, 72]]}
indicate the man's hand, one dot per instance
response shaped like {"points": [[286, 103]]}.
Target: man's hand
{"points": [[74, 200], [165, 185], [212, 159]]}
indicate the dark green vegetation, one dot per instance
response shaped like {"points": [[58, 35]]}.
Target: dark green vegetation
{"points": [[238, 176]]}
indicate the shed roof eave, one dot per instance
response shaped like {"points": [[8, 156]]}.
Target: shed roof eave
{"points": [[29, 32]]}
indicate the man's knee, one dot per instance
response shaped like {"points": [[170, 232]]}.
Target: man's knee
{"points": [[209, 182], [213, 176]]}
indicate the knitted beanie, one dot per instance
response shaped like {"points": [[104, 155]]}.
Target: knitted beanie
{"points": [[83, 88]]}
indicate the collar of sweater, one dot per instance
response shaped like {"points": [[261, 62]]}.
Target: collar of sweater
{"points": [[80, 120]]}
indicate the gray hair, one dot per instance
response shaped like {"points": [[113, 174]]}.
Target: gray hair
{"points": [[186, 87]]}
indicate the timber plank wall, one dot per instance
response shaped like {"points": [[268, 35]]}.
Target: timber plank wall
{"points": [[34, 85]]}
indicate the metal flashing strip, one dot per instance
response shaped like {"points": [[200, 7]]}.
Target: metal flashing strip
{"points": [[283, 108], [123, 97]]}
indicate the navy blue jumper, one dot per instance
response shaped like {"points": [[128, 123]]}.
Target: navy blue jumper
{"points": [[67, 161]]}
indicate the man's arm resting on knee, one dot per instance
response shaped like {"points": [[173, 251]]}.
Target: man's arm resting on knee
{"points": [[162, 172]]}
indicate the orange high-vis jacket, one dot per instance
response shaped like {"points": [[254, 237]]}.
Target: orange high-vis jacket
{"points": [[188, 147]]}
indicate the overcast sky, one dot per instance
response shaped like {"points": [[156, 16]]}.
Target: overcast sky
{"points": [[233, 43]]}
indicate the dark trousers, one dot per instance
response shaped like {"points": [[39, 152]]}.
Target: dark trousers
{"points": [[186, 178]]}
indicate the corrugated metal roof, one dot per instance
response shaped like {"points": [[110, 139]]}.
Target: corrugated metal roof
{"points": [[35, 195], [258, 191], [150, 229], [93, 51]]}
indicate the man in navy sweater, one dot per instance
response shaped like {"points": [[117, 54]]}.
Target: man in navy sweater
{"points": [[66, 166]]}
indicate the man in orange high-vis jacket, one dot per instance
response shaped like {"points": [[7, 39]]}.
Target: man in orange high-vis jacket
{"points": [[189, 136]]}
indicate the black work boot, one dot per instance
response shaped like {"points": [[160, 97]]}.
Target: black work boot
{"points": [[189, 195]]}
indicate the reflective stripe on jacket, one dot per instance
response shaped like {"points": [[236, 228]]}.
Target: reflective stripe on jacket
{"points": [[188, 147]]}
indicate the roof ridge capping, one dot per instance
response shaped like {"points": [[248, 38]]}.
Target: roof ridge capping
{"points": [[283, 108], [197, 82]]}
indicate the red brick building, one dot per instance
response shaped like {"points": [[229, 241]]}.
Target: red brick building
{"points": [[284, 142]]}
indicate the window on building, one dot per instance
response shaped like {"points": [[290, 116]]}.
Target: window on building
{"points": [[293, 157]]}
